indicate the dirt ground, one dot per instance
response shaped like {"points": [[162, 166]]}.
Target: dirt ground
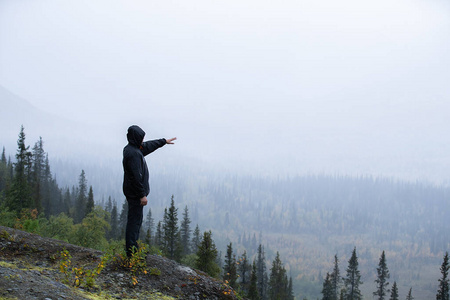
{"points": [[30, 269]]}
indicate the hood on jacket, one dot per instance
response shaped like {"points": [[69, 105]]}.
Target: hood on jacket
{"points": [[135, 135]]}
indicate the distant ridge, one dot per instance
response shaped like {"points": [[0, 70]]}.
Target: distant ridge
{"points": [[59, 133]]}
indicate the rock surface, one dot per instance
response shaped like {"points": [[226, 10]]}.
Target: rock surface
{"points": [[29, 269]]}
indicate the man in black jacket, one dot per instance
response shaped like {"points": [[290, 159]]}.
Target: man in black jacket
{"points": [[135, 180]]}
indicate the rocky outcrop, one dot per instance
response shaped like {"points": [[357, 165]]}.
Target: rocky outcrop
{"points": [[29, 269]]}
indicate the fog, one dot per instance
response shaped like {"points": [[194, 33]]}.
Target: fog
{"points": [[264, 87]]}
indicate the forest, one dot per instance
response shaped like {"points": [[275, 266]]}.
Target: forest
{"points": [[306, 220], [31, 200]]}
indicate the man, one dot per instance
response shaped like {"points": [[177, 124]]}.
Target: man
{"points": [[135, 180]]}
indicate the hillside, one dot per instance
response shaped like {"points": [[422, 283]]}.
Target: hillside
{"points": [[29, 269]]}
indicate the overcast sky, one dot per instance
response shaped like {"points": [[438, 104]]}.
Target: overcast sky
{"points": [[351, 86]]}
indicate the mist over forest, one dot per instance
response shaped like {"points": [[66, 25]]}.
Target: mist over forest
{"points": [[313, 128], [306, 218]]}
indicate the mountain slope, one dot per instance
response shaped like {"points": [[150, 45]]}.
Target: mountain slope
{"points": [[29, 269]]}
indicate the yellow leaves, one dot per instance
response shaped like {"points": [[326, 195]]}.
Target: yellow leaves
{"points": [[137, 263], [80, 276]]}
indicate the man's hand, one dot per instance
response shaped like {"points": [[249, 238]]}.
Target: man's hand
{"points": [[144, 201], [170, 141]]}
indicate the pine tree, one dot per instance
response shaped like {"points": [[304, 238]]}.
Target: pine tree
{"points": [[196, 239], [353, 279], [50, 190], [382, 277], [3, 158], [170, 231], [4, 178], [253, 288], [327, 290], [109, 205], [123, 217], [206, 256], [185, 232], [81, 200], [244, 269], [114, 223], [149, 227], [229, 270], [394, 292], [335, 279], [38, 180], [261, 274], [290, 291], [18, 196], [277, 288], [90, 202], [66, 202], [409, 296], [159, 236], [443, 292]]}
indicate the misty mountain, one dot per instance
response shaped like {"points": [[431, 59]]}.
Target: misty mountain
{"points": [[63, 137], [307, 218]]}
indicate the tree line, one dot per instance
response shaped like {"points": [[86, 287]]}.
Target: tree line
{"points": [[336, 287]]}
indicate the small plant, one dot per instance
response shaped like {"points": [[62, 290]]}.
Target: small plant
{"points": [[136, 263], [64, 265], [5, 235], [155, 271], [81, 276], [227, 290]]}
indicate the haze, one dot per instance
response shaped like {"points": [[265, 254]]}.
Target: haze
{"points": [[271, 87]]}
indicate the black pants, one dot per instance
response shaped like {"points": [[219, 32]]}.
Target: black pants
{"points": [[134, 222]]}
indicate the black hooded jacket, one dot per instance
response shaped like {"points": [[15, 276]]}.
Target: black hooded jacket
{"points": [[136, 176]]}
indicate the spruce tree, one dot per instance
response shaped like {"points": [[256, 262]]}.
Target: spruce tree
{"points": [[66, 202], [253, 288], [327, 291], [149, 227], [18, 196], [159, 239], [114, 223], [170, 231], [3, 157], [277, 288], [90, 202], [123, 218], [409, 296], [39, 183], [261, 274], [50, 191], [206, 256], [3, 175], [352, 281], [244, 270], [335, 279], [81, 200], [443, 291], [394, 292], [290, 291], [185, 231], [382, 278], [229, 270], [109, 205], [3, 172], [196, 239]]}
